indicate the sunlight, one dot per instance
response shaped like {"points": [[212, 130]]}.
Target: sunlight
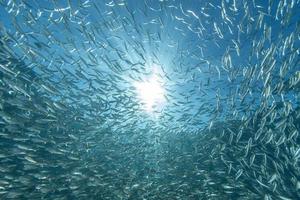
{"points": [[151, 93]]}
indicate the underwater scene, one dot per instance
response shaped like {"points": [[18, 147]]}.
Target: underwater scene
{"points": [[150, 99]]}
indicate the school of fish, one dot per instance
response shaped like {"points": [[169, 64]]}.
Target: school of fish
{"points": [[72, 125]]}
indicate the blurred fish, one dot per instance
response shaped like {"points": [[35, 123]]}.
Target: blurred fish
{"points": [[218, 114]]}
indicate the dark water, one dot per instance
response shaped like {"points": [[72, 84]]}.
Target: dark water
{"points": [[145, 99]]}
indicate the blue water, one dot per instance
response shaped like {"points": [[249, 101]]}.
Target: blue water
{"points": [[73, 125]]}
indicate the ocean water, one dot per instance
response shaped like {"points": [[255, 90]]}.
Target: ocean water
{"points": [[149, 99]]}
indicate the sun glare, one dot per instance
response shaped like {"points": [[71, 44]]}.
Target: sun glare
{"points": [[151, 93]]}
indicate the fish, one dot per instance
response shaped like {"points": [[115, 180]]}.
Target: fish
{"points": [[149, 99]]}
